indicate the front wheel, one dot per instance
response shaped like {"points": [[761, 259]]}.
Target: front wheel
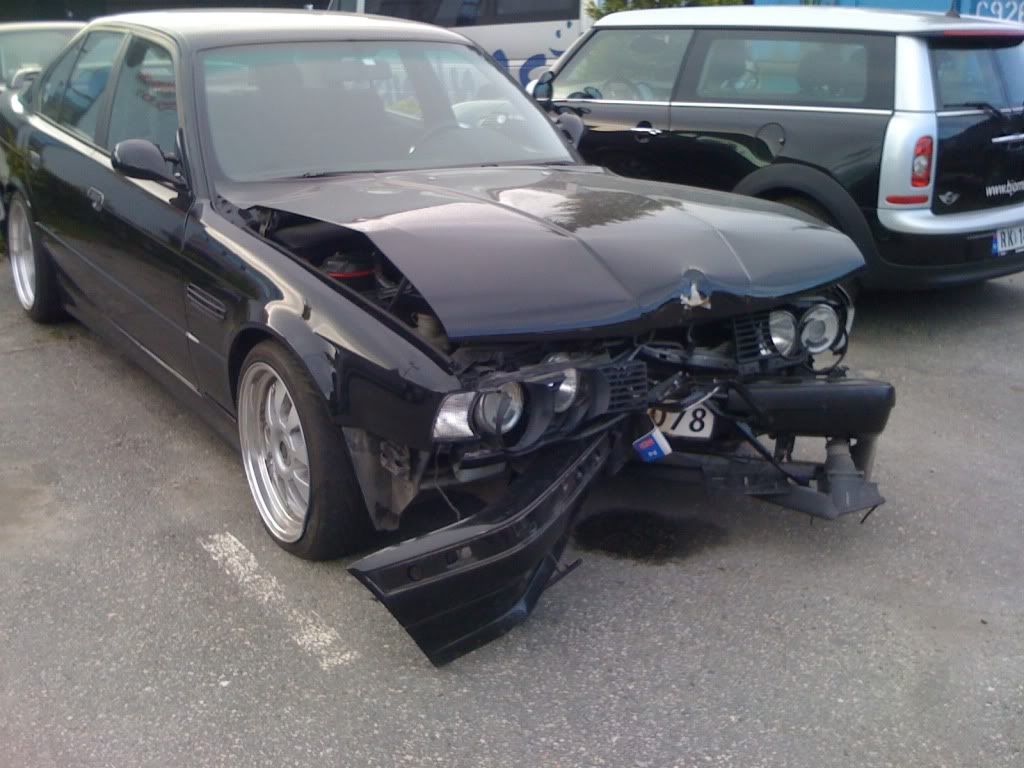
{"points": [[295, 459], [35, 282]]}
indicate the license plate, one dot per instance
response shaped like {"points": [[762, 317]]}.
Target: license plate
{"points": [[1009, 240], [696, 423]]}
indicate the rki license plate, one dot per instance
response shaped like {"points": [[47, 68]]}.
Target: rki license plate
{"points": [[1009, 240]]}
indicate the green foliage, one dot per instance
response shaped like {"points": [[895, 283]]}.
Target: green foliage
{"points": [[598, 8]]}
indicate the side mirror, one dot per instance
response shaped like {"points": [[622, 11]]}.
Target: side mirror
{"points": [[23, 77], [572, 126], [142, 159], [541, 88]]}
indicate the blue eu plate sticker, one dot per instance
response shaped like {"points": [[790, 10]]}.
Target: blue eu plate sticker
{"points": [[652, 447]]}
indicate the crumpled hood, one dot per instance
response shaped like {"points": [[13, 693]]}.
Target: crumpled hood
{"points": [[498, 251]]}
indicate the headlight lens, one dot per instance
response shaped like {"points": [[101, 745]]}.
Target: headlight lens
{"points": [[498, 412], [782, 327], [819, 328], [452, 420], [569, 388]]}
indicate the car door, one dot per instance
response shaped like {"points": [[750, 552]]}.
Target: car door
{"points": [[620, 82], [64, 160], [143, 221]]}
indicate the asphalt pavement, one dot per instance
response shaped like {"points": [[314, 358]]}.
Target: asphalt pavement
{"points": [[147, 620]]}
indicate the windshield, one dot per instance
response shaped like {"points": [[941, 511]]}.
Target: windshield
{"points": [[987, 71], [34, 47], [309, 109]]}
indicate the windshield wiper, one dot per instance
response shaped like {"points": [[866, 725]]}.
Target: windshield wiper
{"points": [[984, 106]]}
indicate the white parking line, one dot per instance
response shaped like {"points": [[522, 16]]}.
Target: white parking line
{"points": [[307, 629]]}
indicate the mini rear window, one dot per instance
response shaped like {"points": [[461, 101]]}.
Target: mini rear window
{"points": [[792, 68], [979, 71]]}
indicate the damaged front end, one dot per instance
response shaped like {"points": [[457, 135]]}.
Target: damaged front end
{"points": [[568, 361], [536, 424]]}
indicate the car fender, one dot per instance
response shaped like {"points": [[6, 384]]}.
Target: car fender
{"points": [[777, 180]]}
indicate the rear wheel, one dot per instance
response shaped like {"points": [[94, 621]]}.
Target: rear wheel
{"points": [[296, 460], [811, 208], [35, 281]]}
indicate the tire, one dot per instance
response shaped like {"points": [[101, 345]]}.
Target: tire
{"points": [[281, 416], [852, 286], [35, 280]]}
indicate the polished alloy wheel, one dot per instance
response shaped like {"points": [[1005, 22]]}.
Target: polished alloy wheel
{"points": [[274, 451], [23, 260]]}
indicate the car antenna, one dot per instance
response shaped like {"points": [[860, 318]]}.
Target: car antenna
{"points": [[954, 9]]}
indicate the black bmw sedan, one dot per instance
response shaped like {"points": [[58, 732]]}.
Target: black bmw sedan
{"points": [[378, 268]]}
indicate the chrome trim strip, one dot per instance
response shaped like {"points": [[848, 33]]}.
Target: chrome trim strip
{"points": [[622, 102], [1012, 138], [784, 108], [971, 112], [921, 221]]}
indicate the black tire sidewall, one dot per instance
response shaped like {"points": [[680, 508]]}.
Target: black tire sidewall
{"points": [[337, 523]]}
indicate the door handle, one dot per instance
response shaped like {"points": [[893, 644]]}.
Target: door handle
{"points": [[646, 130], [95, 198], [34, 160]]}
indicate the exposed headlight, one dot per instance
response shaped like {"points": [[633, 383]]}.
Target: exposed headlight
{"points": [[452, 420], [498, 412], [819, 328], [782, 327], [567, 391]]}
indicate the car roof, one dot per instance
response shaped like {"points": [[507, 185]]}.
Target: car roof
{"points": [[808, 17], [212, 28], [36, 26]]}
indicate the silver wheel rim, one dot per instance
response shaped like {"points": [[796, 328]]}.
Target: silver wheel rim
{"points": [[23, 258], [274, 451]]}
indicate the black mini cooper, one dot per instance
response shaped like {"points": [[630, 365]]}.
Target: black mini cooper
{"points": [[360, 250], [905, 131]]}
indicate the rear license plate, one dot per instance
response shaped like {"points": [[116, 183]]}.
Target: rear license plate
{"points": [[1009, 240], [696, 423]]}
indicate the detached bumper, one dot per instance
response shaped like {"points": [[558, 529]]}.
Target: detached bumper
{"points": [[462, 586]]}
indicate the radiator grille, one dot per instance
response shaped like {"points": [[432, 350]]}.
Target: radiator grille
{"points": [[627, 384], [753, 338]]}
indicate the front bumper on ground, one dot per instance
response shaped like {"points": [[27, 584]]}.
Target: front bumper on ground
{"points": [[462, 586]]}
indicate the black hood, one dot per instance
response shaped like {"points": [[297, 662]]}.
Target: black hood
{"points": [[499, 251]]}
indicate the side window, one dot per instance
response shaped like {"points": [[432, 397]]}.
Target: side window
{"points": [[797, 68], [624, 65], [52, 87], [145, 99], [83, 98]]}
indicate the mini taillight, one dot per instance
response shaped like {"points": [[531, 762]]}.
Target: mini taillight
{"points": [[921, 169]]}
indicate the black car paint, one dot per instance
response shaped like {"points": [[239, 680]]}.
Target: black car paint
{"points": [[170, 274]]}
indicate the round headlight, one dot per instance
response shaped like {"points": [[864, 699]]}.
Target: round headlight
{"points": [[782, 327], [569, 387], [819, 328], [498, 412]]}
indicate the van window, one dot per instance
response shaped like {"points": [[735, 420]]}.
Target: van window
{"points": [[624, 65], [468, 13], [987, 70], [795, 68]]}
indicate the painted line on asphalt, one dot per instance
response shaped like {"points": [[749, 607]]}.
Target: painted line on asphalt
{"points": [[307, 629]]}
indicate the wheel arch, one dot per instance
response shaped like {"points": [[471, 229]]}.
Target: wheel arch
{"points": [[297, 338], [790, 180]]}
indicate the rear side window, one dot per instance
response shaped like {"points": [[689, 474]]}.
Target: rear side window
{"points": [[792, 68], [624, 65], [975, 71], [55, 82]]}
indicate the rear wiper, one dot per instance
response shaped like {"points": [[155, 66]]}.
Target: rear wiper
{"points": [[982, 105]]}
